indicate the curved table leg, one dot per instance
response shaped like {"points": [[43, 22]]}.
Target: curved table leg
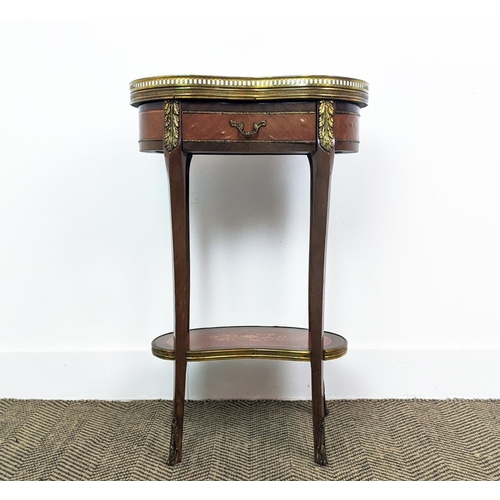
{"points": [[321, 163], [178, 170]]}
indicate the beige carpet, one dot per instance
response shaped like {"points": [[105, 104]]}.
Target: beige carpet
{"points": [[366, 440]]}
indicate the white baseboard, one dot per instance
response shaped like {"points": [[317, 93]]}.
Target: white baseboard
{"points": [[362, 373]]}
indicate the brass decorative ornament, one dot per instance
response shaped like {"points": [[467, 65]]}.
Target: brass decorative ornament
{"points": [[171, 138], [320, 451], [174, 443], [326, 113], [241, 127], [230, 88]]}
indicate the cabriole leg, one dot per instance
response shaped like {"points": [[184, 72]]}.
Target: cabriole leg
{"points": [[321, 162], [178, 172]]}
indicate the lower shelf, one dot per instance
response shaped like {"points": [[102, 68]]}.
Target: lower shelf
{"points": [[232, 342]]}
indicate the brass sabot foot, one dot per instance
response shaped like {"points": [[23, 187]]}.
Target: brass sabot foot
{"points": [[320, 448], [174, 455]]}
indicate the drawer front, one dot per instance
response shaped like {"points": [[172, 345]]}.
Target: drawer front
{"points": [[240, 125]]}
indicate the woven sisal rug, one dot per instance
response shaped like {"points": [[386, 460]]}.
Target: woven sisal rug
{"points": [[404, 440]]}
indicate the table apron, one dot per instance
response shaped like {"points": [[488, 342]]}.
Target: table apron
{"points": [[272, 128]]}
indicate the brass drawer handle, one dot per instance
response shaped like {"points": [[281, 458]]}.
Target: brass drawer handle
{"points": [[241, 127]]}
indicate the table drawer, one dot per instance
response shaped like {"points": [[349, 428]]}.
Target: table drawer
{"points": [[213, 127], [249, 122]]}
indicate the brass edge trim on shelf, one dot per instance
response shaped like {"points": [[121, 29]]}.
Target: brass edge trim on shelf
{"points": [[277, 354], [268, 88], [327, 356], [247, 354]]}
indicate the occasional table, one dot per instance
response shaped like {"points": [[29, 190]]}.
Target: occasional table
{"points": [[180, 116]]}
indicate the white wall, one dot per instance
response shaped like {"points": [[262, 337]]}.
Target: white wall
{"points": [[85, 260]]}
